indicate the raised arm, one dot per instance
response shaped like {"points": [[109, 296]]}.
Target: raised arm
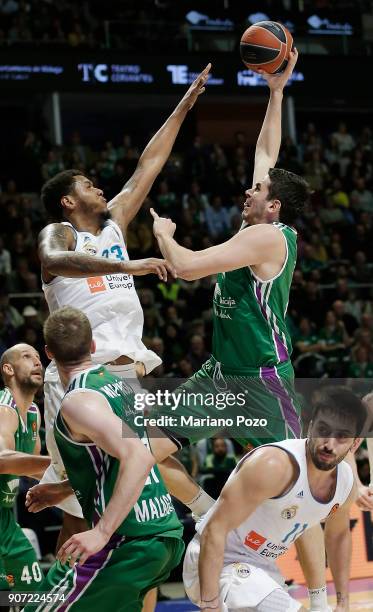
{"points": [[239, 498], [89, 417], [269, 140], [12, 461], [126, 204], [56, 244], [251, 246], [338, 543]]}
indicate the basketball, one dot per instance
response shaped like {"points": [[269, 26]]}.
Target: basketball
{"points": [[266, 46]]}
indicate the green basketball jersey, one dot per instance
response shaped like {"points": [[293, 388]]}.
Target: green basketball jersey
{"points": [[249, 314], [92, 472], [24, 440]]}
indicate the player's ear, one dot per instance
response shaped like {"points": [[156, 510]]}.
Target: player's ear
{"points": [[275, 206], [93, 346], [48, 353], [309, 430], [68, 203], [8, 369], [356, 445]]}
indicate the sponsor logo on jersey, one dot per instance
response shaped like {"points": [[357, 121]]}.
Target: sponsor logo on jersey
{"points": [[334, 509], [254, 540], [96, 284], [34, 430], [300, 494], [289, 513], [242, 570]]}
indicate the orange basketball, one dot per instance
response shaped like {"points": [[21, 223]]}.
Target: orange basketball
{"points": [[266, 46]]}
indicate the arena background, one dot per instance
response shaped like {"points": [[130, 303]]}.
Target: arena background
{"points": [[85, 86]]}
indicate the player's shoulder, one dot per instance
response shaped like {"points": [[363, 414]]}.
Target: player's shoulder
{"points": [[57, 230], [269, 460], [8, 412]]}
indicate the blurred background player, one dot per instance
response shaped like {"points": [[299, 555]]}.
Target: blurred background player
{"points": [[230, 564], [85, 262], [134, 540], [22, 373]]}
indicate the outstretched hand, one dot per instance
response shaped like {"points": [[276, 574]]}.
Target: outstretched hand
{"points": [[277, 82], [196, 89], [162, 225]]}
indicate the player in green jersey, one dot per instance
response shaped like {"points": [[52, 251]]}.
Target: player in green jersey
{"points": [[135, 536], [22, 374], [251, 346]]}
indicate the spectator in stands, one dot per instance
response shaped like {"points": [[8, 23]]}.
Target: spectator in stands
{"points": [[5, 259], [343, 138], [361, 197], [217, 219], [349, 321], [360, 366], [218, 465], [197, 354]]}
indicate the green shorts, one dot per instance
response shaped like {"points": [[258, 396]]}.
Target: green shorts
{"points": [[252, 406], [117, 578], [19, 568]]}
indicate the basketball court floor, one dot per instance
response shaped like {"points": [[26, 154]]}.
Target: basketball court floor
{"points": [[361, 597]]}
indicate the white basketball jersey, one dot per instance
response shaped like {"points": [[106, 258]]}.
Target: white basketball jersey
{"points": [[110, 302], [269, 531]]}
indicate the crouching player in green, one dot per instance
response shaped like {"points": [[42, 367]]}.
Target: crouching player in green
{"points": [[135, 539], [22, 373]]}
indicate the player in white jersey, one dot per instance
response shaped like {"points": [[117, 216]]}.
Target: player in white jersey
{"points": [[84, 263], [277, 492]]}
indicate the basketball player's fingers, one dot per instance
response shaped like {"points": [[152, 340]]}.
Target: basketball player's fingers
{"points": [[365, 502], [170, 269], [67, 548], [162, 272], [154, 214], [83, 558]]}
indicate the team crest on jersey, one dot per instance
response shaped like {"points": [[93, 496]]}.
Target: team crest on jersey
{"points": [[10, 580], [289, 513], [89, 247], [242, 570], [334, 509]]}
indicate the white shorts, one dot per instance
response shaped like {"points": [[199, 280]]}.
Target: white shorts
{"points": [[243, 587], [53, 394]]}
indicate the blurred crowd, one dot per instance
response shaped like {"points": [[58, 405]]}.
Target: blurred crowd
{"points": [[134, 25], [330, 312]]}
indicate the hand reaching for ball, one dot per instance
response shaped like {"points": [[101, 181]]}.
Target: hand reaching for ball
{"points": [[196, 89], [277, 82]]}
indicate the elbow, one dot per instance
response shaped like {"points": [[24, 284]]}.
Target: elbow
{"points": [[186, 272], [136, 452]]}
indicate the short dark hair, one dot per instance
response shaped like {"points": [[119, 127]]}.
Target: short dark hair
{"points": [[340, 401], [68, 335], [55, 189], [292, 191]]}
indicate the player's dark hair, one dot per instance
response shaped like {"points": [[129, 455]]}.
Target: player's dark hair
{"points": [[68, 335], [291, 190], [341, 403], [55, 189]]}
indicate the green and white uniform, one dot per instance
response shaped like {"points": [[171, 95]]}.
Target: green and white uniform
{"points": [[145, 547], [251, 351], [19, 568]]}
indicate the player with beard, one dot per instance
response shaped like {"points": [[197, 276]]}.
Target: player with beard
{"points": [[230, 564], [22, 374], [85, 263]]}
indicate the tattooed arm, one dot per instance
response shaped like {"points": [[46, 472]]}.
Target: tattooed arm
{"points": [[56, 244]]}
